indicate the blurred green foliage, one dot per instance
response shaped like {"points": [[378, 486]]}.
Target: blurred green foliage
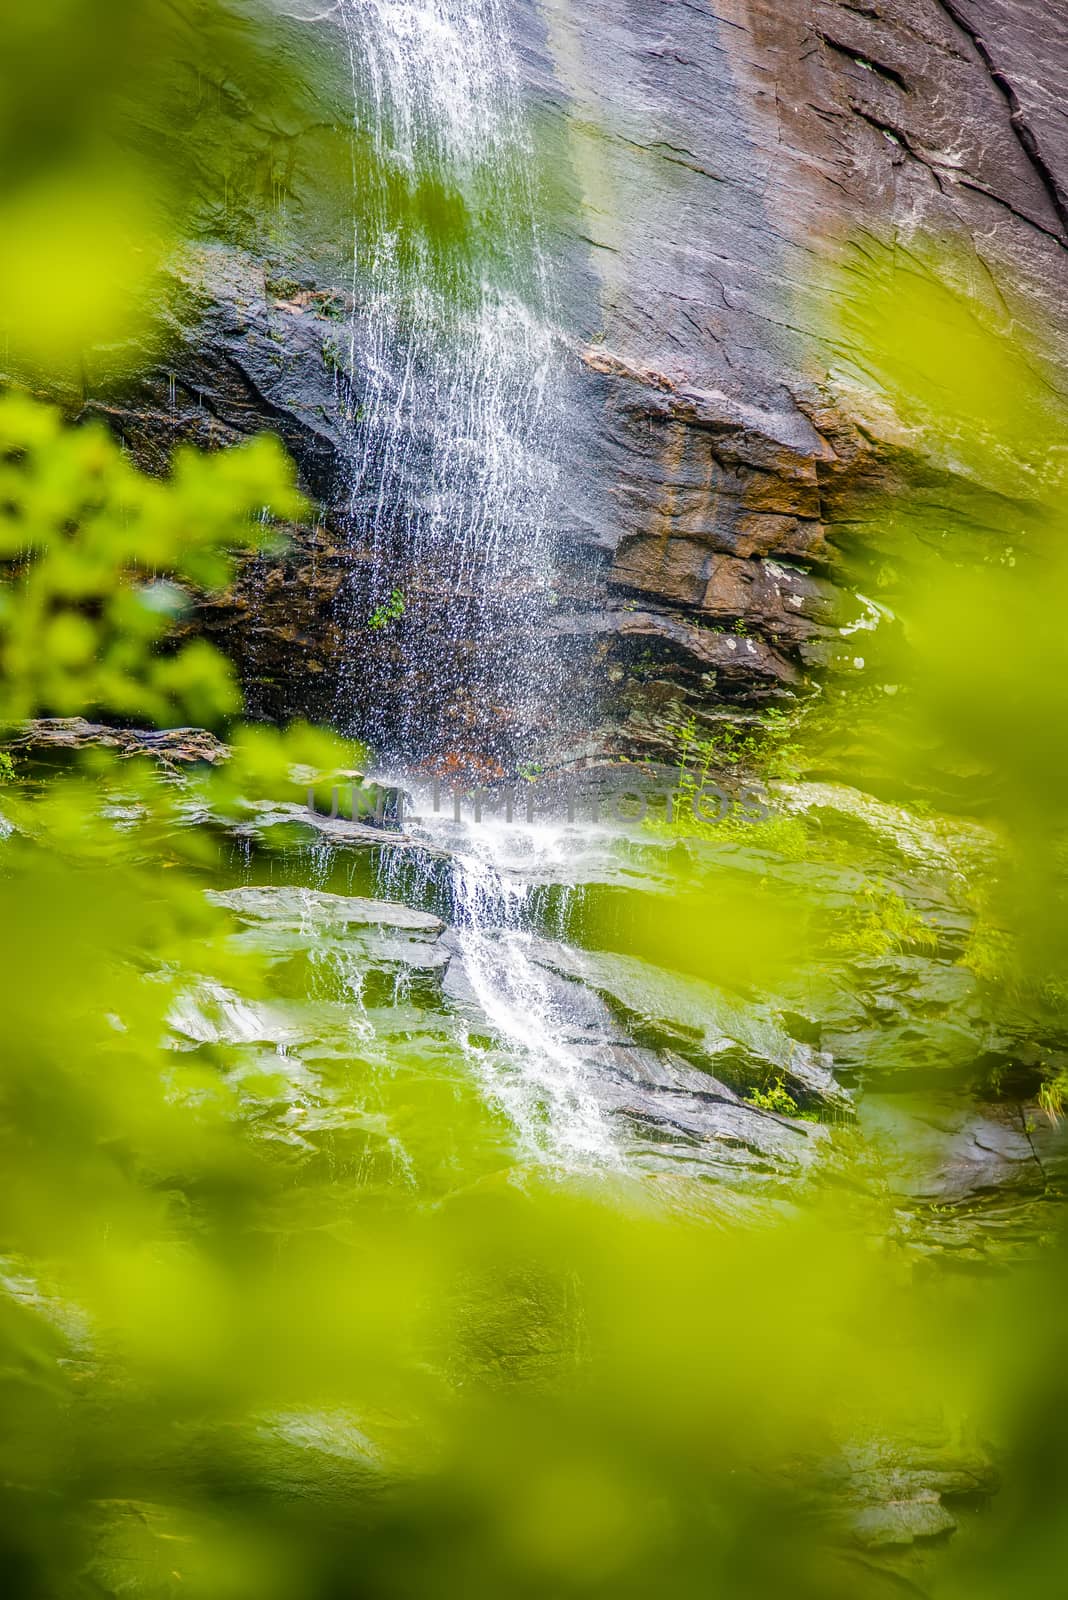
{"points": [[249, 1356], [975, 651], [129, 126], [245, 1356], [245, 1353], [120, 123], [96, 552]]}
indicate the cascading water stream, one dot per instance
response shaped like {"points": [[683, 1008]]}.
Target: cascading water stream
{"points": [[449, 381], [532, 1064]]}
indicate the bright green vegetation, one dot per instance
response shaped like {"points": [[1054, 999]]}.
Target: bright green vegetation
{"points": [[390, 610], [882, 921], [765, 747], [775, 1098], [1053, 1095], [284, 1313], [741, 754], [103, 553]]}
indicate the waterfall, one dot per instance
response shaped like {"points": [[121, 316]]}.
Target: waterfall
{"points": [[450, 384], [536, 1072], [524, 1042], [449, 381]]}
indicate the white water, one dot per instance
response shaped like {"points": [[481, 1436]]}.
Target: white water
{"points": [[438, 74], [452, 368], [540, 1078], [534, 1068], [451, 363]]}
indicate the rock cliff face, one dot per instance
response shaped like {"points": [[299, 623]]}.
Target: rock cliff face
{"points": [[724, 165], [737, 160]]}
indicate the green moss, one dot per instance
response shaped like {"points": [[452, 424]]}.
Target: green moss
{"points": [[761, 749], [735, 751], [991, 956]]}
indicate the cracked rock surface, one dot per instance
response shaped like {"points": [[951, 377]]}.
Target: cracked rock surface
{"points": [[720, 163]]}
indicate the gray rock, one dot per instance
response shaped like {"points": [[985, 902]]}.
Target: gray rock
{"points": [[673, 1118], [338, 949], [946, 845], [737, 1042], [894, 1490], [301, 910], [903, 1522], [711, 166], [976, 1185], [731, 155]]}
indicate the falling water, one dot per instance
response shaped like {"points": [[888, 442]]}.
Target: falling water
{"points": [[449, 382], [523, 1040]]}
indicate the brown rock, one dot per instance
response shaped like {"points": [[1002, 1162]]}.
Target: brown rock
{"points": [[171, 747]]}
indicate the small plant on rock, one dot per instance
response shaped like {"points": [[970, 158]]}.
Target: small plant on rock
{"points": [[776, 1097], [1053, 1095], [390, 610], [884, 923]]}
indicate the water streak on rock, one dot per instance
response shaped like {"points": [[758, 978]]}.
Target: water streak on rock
{"points": [[448, 379]]}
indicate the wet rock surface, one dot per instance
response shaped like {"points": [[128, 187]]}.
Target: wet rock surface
{"points": [[297, 909], [899, 1496], [891, 1053], [672, 1116], [174, 748], [976, 1186], [368, 987], [714, 166], [737, 1042], [373, 948], [732, 157]]}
